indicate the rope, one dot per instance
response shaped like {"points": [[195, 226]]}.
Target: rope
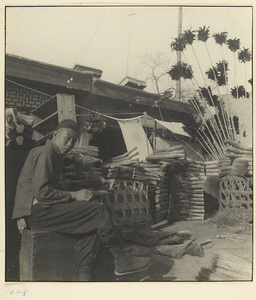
{"points": [[26, 87], [193, 150], [160, 113], [114, 113], [107, 116]]}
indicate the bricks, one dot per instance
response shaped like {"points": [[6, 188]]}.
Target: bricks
{"points": [[47, 256]]}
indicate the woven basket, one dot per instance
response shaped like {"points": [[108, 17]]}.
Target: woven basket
{"points": [[236, 192], [129, 204]]}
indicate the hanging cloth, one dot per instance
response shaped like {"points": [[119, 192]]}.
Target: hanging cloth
{"points": [[175, 127], [134, 135]]}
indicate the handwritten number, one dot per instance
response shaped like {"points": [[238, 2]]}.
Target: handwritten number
{"points": [[18, 291]]}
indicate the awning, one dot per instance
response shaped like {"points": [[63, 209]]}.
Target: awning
{"points": [[175, 127]]}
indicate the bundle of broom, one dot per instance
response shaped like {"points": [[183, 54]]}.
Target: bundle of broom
{"points": [[125, 159], [178, 251], [163, 198], [241, 158], [148, 171], [224, 166], [86, 150], [18, 128], [167, 155], [192, 183], [212, 168]]}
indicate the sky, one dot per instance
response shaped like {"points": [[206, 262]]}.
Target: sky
{"points": [[113, 39]]}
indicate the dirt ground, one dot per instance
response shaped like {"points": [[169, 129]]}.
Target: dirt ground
{"points": [[234, 241], [232, 244]]}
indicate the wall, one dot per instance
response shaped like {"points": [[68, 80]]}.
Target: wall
{"points": [[17, 96]]}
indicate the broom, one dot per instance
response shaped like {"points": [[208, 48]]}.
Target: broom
{"points": [[174, 251], [196, 249]]}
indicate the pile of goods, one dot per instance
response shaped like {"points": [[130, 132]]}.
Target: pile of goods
{"points": [[18, 129], [81, 169], [241, 158], [191, 182], [224, 166], [162, 164], [121, 166], [236, 186], [212, 168]]}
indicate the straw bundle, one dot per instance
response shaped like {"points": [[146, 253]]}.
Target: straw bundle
{"points": [[173, 251], [229, 267]]}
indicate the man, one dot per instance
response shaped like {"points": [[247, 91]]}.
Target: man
{"points": [[43, 206]]}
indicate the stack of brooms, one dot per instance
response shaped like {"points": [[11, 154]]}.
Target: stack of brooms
{"points": [[212, 168], [224, 166], [121, 166], [241, 158], [192, 183], [163, 160], [18, 129]]}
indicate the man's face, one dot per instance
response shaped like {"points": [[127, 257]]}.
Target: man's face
{"points": [[65, 139]]}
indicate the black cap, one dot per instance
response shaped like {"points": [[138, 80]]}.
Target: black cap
{"points": [[68, 123]]}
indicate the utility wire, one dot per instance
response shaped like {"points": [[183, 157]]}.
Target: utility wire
{"points": [[92, 37]]}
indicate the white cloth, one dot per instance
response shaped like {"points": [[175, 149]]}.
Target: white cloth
{"points": [[174, 127], [134, 136]]}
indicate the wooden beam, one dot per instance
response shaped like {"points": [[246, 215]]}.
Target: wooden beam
{"points": [[18, 67], [46, 73], [66, 107], [113, 91]]}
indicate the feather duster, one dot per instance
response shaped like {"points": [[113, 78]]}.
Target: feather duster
{"points": [[179, 44], [203, 33], [234, 44], [189, 36], [244, 55], [220, 38], [239, 92]]}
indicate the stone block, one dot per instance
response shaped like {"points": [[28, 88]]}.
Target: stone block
{"points": [[47, 256]]}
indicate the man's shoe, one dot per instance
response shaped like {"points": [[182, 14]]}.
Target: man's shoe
{"points": [[127, 264], [137, 251]]}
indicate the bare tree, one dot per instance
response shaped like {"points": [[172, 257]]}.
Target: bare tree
{"points": [[154, 70]]}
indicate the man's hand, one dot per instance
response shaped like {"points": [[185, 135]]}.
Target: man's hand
{"points": [[22, 225], [82, 195]]}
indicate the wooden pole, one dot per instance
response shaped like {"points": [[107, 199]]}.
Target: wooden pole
{"points": [[178, 82]]}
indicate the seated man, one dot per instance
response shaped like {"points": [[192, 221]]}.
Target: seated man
{"points": [[40, 204]]}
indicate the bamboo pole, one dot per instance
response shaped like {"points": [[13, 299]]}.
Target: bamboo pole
{"points": [[210, 154], [218, 88], [206, 85], [213, 124], [231, 121], [221, 150], [193, 149]]}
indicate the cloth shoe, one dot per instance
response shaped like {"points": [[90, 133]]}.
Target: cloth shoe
{"points": [[135, 250], [127, 264]]}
